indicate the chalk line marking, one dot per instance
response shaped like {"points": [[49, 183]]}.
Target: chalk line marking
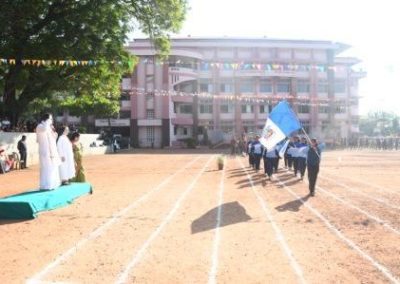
{"points": [[122, 277], [278, 233], [379, 200], [341, 236], [214, 266], [103, 227]]}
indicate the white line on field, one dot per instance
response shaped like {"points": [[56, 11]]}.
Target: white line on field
{"points": [[379, 200], [214, 266], [341, 236], [278, 233], [103, 227], [351, 205], [381, 188], [122, 278]]}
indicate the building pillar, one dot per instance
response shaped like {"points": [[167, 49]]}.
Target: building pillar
{"points": [[331, 94]]}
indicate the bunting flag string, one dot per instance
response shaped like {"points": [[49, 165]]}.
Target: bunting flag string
{"points": [[64, 62], [260, 66], [307, 101]]}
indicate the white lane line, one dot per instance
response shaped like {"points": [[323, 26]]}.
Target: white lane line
{"points": [[103, 227], [214, 266], [351, 205], [392, 191], [341, 236], [123, 276], [379, 200], [278, 233]]}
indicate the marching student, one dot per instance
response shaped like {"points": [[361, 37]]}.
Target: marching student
{"points": [[276, 161], [302, 157], [256, 151], [313, 161], [251, 160], [288, 155], [295, 154], [270, 156]]}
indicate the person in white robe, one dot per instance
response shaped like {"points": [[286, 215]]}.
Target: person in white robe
{"points": [[67, 167], [48, 155]]}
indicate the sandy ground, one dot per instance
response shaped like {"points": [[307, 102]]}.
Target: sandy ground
{"points": [[162, 217]]}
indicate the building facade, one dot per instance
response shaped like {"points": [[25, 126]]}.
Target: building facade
{"points": [[227, 86]]}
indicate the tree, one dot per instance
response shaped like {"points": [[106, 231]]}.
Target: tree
{"points": [[93, 30], [379, 123]]}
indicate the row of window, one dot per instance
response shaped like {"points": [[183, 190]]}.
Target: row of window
{"points": [[266, 87], [230, 108]]}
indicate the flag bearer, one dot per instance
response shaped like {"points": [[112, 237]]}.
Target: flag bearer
{"points": [[313, 160], [256, 151]]}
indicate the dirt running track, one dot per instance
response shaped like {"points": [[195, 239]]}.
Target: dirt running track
{"points": [[173, 218]]}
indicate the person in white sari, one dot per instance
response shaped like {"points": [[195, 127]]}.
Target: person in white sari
{"points": [[48, 155], [67, 167]]}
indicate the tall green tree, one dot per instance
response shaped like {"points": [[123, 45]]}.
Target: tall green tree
{"points": [[76, 30]]}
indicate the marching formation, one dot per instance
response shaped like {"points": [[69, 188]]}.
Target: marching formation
{"points": [[298, 156]]}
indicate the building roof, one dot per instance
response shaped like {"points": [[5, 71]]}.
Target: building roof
{"points": [[245, 42]]}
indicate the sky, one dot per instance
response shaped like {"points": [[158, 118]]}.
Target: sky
{"points": [[369, 26]]}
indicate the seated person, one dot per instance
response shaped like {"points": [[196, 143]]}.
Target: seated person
{"points": [[6, 163]]}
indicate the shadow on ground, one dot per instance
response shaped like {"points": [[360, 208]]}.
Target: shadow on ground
{"points": [[232, 213], [293, 205]]}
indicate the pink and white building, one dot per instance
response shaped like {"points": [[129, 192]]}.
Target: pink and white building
{"points": [[321, 86]]}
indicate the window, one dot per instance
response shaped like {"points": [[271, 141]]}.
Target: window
{"points": [[340, 87], [247, 108], [125, 97], [323, 109], [303, 109], [226, 108], [340, 108], [185, 131], [283, 87], [124, 114], [265, 87], [247, 87], [264, 108], [322, 87], [226, 87], [150, 114], [206, 87], [186, 109], [303, 87], [306, 125], [206, 109], [150, 134]]}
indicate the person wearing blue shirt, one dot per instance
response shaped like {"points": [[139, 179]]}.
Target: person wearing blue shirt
{"points": [[270, 156], [295, 154], [251, 160], [257, 150], [302, 157], [313, 161]]}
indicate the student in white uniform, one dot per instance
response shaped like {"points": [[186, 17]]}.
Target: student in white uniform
{"points": [[67, 167]]}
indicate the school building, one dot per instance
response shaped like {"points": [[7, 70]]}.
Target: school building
{"points": [[227, 86]]}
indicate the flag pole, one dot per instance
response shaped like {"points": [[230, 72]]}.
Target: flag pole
{"points": [[309, 141]]}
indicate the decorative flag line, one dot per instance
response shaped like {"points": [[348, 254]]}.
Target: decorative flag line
{"points": [[42, 62], [204, 66], [247, 99]]}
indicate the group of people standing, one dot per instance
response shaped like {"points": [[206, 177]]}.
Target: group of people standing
{"points": [[297, 154], [60, 156]]}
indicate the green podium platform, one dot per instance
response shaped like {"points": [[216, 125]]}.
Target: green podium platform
{"points": [[28, 204]]}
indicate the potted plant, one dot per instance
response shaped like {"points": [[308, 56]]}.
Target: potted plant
{"points": [[220, 162]]}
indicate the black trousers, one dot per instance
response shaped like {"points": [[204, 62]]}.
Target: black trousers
{"points": [[23, 156], [290, 161], [257, 160], [251, 160], [301, 165], [269, 166], [276, 164], [295, 164], [312, 171]]}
